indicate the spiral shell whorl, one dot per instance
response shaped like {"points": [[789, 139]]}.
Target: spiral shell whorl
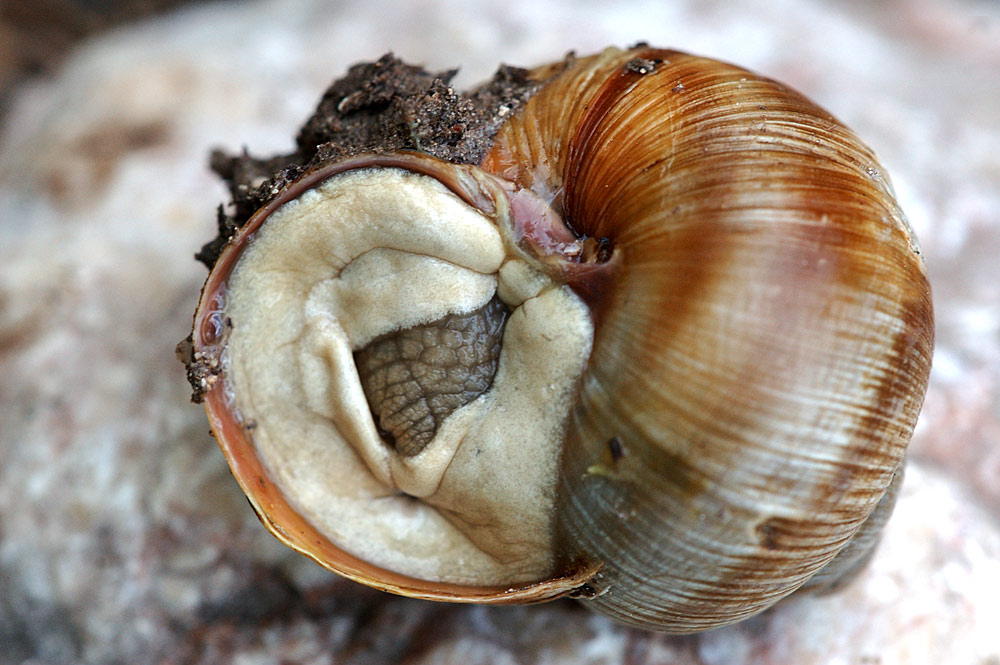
{"points": [[768, 292]]}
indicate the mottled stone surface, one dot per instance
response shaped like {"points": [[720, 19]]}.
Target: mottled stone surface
{"points": [[123, 537]]}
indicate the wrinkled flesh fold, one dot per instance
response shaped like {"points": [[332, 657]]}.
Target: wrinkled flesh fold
{"points": [[364, 254], [416, 377]]}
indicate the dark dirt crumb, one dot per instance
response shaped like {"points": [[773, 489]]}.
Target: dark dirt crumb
{"points": [[377, 107], [641, 66], [202, 371]]}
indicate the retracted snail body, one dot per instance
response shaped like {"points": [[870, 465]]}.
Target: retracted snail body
{"points": [[662, 349]]}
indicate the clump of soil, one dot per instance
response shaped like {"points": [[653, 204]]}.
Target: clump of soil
{"points": [[378, 107]]}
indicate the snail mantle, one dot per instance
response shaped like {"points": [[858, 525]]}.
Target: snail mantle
{"points": [[641, 328]]}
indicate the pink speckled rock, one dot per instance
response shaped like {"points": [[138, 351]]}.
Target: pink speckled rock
{"points": [[123, 537]]}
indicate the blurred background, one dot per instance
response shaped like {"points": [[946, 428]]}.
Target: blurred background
{"points": [[123, 537]]}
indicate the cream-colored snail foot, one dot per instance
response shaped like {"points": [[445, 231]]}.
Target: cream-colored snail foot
{"points": [[642, 328]]}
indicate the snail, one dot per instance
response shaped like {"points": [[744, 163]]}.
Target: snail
{"points": [[661, 348]]}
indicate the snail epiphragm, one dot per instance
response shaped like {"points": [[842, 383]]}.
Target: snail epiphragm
{"points": [[662, 348]]}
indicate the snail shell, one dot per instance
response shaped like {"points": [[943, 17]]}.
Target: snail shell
{"points": [[683, 328]]}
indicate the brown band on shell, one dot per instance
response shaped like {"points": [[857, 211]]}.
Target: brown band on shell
{"points": [[852, 559], [417, 377]]}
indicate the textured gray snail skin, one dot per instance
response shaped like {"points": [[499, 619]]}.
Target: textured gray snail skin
{"points": [[715, 333]]}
